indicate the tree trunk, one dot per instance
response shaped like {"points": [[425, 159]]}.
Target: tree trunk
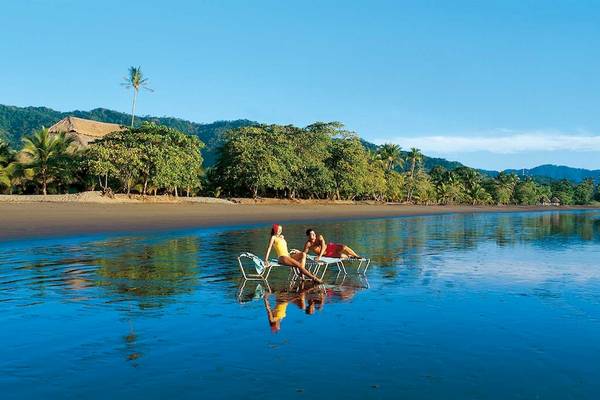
{"points": [[105, 181], [135, 92], [176, 191], [44, 183], [145, 185]]}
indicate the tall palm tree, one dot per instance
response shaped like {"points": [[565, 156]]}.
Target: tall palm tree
{"points": [[44, 151], [391, 156], [135, 80], [415, 156]]}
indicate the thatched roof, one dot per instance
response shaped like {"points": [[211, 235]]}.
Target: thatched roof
{"points": [[84, 131]]}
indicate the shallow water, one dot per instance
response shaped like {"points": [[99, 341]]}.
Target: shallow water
{"points": [[454, 306]]}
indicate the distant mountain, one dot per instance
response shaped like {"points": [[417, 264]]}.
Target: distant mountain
{"points": [[557, 172], [15, 122]]}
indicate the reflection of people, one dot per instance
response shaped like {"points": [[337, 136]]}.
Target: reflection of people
{"points": [[297, 260], [316, 301], [277, 315], [283, 299], [317, 244]]}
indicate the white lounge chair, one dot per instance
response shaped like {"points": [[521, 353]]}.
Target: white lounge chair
{"points": [[263, 271], [363, 263]]}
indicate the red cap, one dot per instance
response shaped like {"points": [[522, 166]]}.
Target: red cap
{"points": [[275, 227]]}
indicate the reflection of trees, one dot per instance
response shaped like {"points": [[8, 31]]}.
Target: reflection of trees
{"points": [[149, 271]]}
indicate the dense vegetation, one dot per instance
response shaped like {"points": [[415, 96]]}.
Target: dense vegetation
{"points": [[148, 159], [320, 161], [16, 122], [324, 161]]}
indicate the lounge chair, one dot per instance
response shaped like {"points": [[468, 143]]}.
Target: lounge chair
{"points": [[263, 271], [340, 263]]}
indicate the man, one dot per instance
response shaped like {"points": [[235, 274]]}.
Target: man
{"points": [[317, 244]]}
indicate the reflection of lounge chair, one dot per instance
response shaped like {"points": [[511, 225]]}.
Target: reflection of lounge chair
{"points": [[255, 292], [263, 271], [340, 263]]}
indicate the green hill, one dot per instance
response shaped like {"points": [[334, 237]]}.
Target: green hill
{"points": [[15, 122]]}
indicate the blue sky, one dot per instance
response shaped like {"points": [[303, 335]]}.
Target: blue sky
{"points": [[492, 84]]}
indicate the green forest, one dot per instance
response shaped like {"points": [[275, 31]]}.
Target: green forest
{"points": [[320, 161]]}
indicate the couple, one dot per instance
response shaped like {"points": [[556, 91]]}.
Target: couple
{"points": [[315, 243]]}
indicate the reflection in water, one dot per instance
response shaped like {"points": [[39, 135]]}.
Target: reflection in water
{"points": [[457, 298], [306, 295], [150, 272]]}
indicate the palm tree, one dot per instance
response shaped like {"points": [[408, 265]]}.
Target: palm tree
{"points": [[415, 156], [505, 187], [44, 151], [5, 152], [448, 188], [391, 156], [5, 176], [475, 192], [14, 174], [135, 80]]}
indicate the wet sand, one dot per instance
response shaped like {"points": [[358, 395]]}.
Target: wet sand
{"points": [[20, 220]]}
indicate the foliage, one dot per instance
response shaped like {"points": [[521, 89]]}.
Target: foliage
{"points": [[584, 192], [48, 156], [150, 156], [319, 161], [528, 193], [391, 156], [564, 191], [349, 166]]}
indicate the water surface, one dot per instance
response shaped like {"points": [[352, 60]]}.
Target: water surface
{"points": [[454, 306]]}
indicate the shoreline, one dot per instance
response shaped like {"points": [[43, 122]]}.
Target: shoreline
{"points": [[24, 219]]}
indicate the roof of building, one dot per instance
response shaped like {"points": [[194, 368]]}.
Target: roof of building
{"points": [[84, 130]]}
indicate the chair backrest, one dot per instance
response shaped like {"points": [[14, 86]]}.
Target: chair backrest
{"points": [[259, 264]]}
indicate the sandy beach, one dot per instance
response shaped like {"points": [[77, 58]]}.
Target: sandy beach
{"points": [[29, 219]]}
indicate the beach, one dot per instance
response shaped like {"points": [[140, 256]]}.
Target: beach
{"points": [[34, 217]]}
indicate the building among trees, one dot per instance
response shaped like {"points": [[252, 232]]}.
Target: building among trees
{"points": [[84, 131]]}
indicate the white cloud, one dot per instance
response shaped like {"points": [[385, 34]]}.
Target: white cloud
{"points": [[501, 142]]}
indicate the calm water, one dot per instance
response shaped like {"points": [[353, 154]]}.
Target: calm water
{"points": [[455, 306]]}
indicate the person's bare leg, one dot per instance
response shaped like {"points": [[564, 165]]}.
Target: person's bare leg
{"points": [[301, 258], [291, 261], [348, 252]]}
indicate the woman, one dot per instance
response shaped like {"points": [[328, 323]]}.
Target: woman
{"points": [[296, 260], [318, 245]]}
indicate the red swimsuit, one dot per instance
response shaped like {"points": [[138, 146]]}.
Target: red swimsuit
{"points": [[333, 249]]}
